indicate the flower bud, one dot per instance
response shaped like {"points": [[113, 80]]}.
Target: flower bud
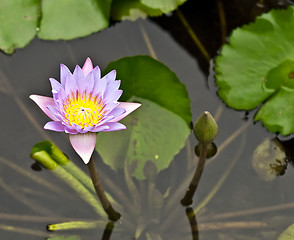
{"points": [[205, 128]]}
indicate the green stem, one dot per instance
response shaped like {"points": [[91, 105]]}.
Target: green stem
{"points": [[76, 225], [112, 214], [187, 200], [223, 178], [193, 35]]}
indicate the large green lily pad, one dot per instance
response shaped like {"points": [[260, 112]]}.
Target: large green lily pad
{"points": [[158, 129], [257, 68], [145, 77], [70, 19], [18, 23], [153, 134]]}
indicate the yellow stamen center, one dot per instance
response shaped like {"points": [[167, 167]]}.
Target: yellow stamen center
{"points": [[83, 110]]}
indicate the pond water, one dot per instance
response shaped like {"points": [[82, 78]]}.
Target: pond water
{"points": [[232, 201]]}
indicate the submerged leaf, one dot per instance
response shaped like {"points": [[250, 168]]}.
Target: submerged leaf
{"points": [[257, 66], [269, 159]]}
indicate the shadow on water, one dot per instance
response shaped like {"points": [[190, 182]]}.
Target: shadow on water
{"points": [[232, 200]]}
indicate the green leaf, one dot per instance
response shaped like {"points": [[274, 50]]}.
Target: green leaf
{"points": [[131, 10], [153, 134], [288, 234], [144, 77], [68, 19], [282, 75], [52, 150], [158, 129], [18, 23], [257, 66], [165, 6], [278, 111]]}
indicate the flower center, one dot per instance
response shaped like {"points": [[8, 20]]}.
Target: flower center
{"points": [[83, 110]]}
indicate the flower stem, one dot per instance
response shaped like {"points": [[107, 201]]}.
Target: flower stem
{"points": [[193, 223], [107, 231], [112, 214], [187, 200]]}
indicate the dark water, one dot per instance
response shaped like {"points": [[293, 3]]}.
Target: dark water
{"points": [[243, 206]]}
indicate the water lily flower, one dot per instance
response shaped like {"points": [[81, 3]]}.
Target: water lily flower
{"points": [[83, 104]]}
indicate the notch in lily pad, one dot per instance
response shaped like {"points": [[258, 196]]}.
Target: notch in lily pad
{"points": [[281, 76]]}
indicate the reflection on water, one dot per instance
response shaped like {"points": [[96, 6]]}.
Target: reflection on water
{"points": [[231, 202]]}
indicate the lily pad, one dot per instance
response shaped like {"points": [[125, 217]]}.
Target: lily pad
{"points": [[133, 9], [18, 23], [145, 77], [71, 19], [257, 67], [165, 6], [158, 129], [153, 134]]}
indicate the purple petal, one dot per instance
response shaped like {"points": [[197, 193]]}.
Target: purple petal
{"points": [[97, 73], [88, 67], [70, 130], [129, 107], [114, 126], [99, 87], [110, 106], [89, 83], [54, 126], [100, 128], [60, 98], [112, 97], [70, 85], [111, 88], [64, 74], [43, 103], [55, 112], [117, 112], [105, 120], [80, 78], [55, 85], [83, 144], [110, 76]]}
